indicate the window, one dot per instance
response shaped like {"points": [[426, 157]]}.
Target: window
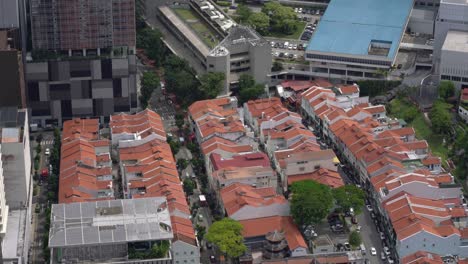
{"points": [[302, 169]]}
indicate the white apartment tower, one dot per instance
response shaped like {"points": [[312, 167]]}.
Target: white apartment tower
{"points": [[3, 206]]}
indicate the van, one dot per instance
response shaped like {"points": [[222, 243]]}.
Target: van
{"points": [[286, 44], [363, 249]]}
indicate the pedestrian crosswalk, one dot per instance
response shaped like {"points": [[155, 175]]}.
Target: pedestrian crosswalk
{"points": [[47, 142]]}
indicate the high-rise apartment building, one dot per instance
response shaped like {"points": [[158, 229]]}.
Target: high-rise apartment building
{"points": [[15, 185], [83, 60], [85, 24]]}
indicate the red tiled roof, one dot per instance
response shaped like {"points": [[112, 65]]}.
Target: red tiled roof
{"points": [[216, 142], [261, 226], [144, 123], [241, 160], [348, 89], [80, 166], [431, 160], [464, 94], [259, 106], [156, 174], [422, 257], [238, 195], [323, 176], [297, 85]]}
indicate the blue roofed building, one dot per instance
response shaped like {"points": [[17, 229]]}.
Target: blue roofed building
{"points": [[356, 38]]}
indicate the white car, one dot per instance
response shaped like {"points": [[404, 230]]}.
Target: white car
{"points": [[390, 261], [373, 252], [382, 256], [290, 46], [382, 236], [386, 250], [47, 152], [369, 208], [276, 54]]}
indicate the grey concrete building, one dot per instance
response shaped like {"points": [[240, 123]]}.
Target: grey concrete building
{"points": [[454, 59], [83, 62], [453, 15], [241, 49], [9, 14], [15, 227], [112, 231]]}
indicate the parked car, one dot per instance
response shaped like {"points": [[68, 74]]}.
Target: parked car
{"points": [[212, 259], [44, 173], [373, 252], [382, 236], [386, 251], [390, 261], [382, 256], [47, 152], [369, 208], [354, 220], [347, 246]]}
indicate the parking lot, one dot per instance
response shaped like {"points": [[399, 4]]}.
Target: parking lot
{"points": [[293, 50]]}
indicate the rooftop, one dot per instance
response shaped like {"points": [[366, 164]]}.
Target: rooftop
{"points": [[239, 161], [456, 41], [104, 222], [352, 27]]}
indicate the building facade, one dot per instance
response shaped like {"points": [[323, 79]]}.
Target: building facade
{"points": [[83, 61], [241, 49], [454, 59], [452, 15]]}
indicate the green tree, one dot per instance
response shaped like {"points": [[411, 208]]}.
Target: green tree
{"points": [[440, 118], [311, 202], [226, 234], [248, 90], [243, 13], [349, 196], [151, 41], [354, 239], [182, 164], [212, 83], [180, 79], [260, 22], [446, 89], [160, 249], [189, 186], [277, 66], [149, 82], [251, 93], [282, 18]]}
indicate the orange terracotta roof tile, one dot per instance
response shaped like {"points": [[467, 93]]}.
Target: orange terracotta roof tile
{"points": [[238, 195], [348, 89], [422, 257], [261, 226], [143, 123], [323, 176]]}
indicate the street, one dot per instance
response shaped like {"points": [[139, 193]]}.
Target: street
{"points": [[40, 200], [370, 236]]}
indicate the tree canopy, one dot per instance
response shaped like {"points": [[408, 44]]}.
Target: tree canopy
{"points": [[151, 41], [349, 196], [277, 66], [226, 234], [446, 89], [260, 22], [354, 239], [212, 83], [282, 18], [311, 202], [149, 82], [440, 117], [180, 79], [243, 13], [248, 90]]}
